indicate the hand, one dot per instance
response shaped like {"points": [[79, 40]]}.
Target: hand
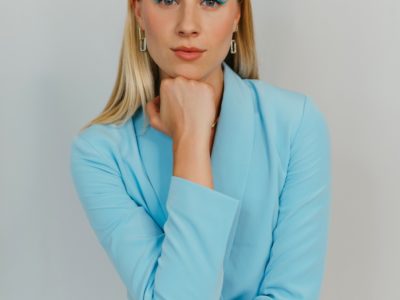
{"points": [[183, 108]]}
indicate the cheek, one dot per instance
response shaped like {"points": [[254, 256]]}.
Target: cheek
{"points": [[221, 35], [219, 29], [155, 26]]}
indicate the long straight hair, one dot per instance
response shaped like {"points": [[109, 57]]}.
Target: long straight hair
{"points": [[137, 79]]}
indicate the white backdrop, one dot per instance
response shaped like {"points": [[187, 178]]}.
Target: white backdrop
{"points": [[58, 62]]}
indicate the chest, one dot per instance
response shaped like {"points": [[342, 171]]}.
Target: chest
{"points": [[262, 177]]}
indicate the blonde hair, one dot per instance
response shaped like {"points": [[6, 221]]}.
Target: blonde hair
{"points": [[138, 75]]}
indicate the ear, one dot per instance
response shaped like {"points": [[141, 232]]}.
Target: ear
{"points": [[137, 10], [236, 20]]}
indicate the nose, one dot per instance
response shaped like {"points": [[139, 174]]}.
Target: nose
{"points": [[187, 20]]}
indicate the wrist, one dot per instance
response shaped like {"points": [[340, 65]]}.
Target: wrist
{"points": [[193, 143], [193, 137]]}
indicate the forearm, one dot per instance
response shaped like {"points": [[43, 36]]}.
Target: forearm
{"points": [[192, 160], [156, 262]]}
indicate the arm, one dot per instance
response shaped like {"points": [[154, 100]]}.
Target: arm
{"points": [[182, 260], [296, 265]]}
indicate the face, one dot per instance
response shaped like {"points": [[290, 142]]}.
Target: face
{"points": [[204, 24]]}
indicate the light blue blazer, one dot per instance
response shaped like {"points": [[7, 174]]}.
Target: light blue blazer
{"points": [[260, 234]]}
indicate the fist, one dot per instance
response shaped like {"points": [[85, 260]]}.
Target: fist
{"points": [[184, 107]]}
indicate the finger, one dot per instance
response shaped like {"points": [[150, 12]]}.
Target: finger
{"points": [[157, 102], [154, 115], [151, 108]]}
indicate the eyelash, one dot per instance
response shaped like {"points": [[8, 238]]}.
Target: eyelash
{"points": [[218, 2]]}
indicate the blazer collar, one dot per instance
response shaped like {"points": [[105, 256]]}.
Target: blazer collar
{"points": [[232, 148]]}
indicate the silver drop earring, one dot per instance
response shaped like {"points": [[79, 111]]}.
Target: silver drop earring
{"points": [[233, 46], [142, 41], [233, 43]]}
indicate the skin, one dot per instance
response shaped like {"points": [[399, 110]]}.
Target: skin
{"points": [[190, 91]]}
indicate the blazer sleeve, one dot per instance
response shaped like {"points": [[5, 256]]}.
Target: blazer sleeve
{"points": [[297, 258], [182, 260]]}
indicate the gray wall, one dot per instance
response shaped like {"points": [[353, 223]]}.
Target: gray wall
{"points": [[58, 61]]}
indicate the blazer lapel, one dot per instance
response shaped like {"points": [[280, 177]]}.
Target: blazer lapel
{"points": [[233, 141], [232, 148]]}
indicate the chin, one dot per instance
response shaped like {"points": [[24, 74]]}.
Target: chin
{"points": [[188, 70]]}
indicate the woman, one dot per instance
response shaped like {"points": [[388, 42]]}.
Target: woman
{"points": [[199, 180]]}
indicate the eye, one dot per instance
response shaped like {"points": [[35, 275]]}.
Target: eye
{"points": [[214, 3], [166, 2]]}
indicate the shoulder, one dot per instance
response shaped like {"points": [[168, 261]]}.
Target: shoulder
{"points": [[283, 107], [105, 141], [287, 116]]}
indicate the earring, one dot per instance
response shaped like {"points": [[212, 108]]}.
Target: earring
{"points": [[142, 41], [233, 43], [233, 46]]}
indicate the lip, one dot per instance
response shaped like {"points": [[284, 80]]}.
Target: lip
{"points": [[188, 53], [188, 49]]}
